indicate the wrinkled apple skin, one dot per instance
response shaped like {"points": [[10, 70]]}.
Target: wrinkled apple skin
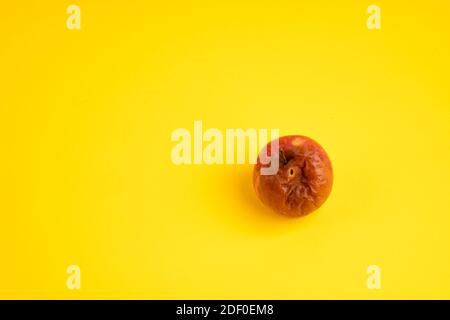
{"points": [[303, 181]]}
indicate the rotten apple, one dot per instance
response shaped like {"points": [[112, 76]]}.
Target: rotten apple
{"points": [[303, 180]]}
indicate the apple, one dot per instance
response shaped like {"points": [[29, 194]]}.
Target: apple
{"points": [[303, 180]]}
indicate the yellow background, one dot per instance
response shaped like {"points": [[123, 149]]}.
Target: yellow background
{"points": [[86, 176]]}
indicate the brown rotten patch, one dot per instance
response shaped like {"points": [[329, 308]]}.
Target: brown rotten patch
{"points": [[303, 181]]}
